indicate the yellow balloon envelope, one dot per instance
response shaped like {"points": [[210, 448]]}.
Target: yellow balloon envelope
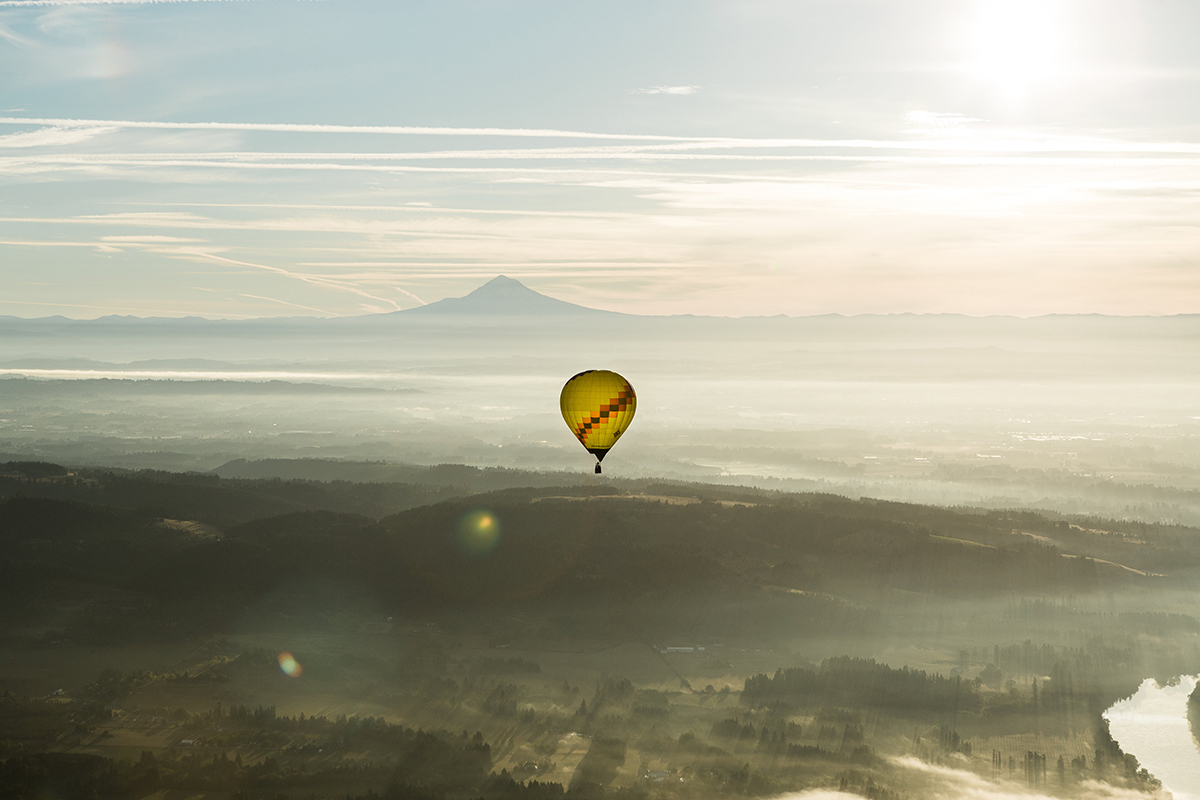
{"points": [[598, 406]]}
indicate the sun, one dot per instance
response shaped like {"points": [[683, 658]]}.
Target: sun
{"points": [[1017, 44]]}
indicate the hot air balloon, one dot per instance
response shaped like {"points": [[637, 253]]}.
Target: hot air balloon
{"points": [[598, 406]]}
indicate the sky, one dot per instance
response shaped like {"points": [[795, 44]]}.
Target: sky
{"points": [[749, 157]]}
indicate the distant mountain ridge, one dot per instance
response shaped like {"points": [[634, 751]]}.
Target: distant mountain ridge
{"points": [[503, 296], [505, 301]]}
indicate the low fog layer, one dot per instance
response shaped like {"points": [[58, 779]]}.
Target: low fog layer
{"points": [[1086, 414]]}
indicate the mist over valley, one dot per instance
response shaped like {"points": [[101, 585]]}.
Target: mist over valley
{"points": [[1082, 414]]}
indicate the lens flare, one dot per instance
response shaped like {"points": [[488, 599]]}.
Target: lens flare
{"points": [[290, 666], [478, 533]]}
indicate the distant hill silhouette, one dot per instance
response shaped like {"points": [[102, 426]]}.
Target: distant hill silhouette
{"points": [[503, 296], [505, 300]]}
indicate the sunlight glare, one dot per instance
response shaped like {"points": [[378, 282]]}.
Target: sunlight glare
{"points": [[1016, 44]]}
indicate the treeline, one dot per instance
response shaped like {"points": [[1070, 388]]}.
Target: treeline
{"points": [[29, 724], [504, 666], [212, 499], [781, 740], [69, 775], [1097, 657], [307, 753], [1082, 679], [861, 683], [558, 550], [1153, 623]]}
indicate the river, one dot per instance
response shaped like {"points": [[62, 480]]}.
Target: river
{"points": [[1153, 726]]}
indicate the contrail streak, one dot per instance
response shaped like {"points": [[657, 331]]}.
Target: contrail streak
{"points": [[987, 143], [324, 282], [283, 127], [29, 3]]}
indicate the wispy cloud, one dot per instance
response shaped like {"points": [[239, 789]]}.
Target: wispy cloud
{"points": [[36, 3], [372, 230], [286, 225], [316, 128], [148, 239], [666, 90], [409, 207], [121, 309], [958, 139], [178, 374], [324, 281], [36, 243], [938, 119], [53, 136], [286, 303], [17, 39]]}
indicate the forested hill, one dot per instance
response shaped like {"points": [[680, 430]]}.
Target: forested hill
{"points": [[195, 549], [244, 490]]}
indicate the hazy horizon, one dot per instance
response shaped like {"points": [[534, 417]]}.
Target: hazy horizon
{"points": [[607, 311], [1070, 414]]}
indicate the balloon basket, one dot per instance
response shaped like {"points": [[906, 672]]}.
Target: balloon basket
{"points": [[597, 469]]}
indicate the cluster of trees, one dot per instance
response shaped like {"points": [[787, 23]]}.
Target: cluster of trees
{"points": [[861, 683], [427, 770], [101, 526], [782, 740], [215, 500], [27, 471], [600, 764], [307, 755], [732, 728], [504, 666], [29, 724], [1111, 759], [593, 557], [865, 785]]}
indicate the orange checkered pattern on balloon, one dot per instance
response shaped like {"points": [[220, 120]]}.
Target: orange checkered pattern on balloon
{"points": [[607, 411]]}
